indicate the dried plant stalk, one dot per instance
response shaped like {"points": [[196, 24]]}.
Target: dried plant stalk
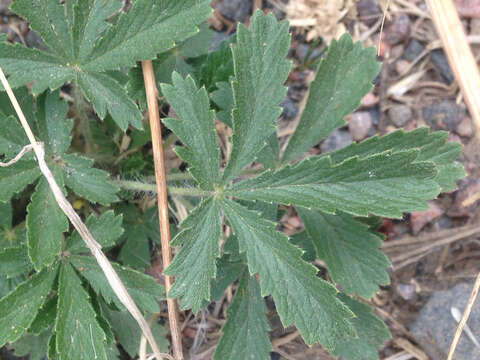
{"points": [[162, 197]]}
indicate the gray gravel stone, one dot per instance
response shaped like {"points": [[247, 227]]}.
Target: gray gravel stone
{"points": [[439, 60], [4, 4], [360, 124], [434, 327], [412, 50], [400, 115], [336, 140], [236, 10], [445, 115]]}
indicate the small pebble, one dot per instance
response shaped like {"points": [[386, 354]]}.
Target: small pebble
{"points": [[360, 124], [468, 8], [400, 115], [401, 66], [412, 50], [368, 11], [439, 60], [339, 138], [369, 100], [398, 31], [418, 219], [445, 115], [236, 10], [290, 109], [465, 128], [406, 291]]}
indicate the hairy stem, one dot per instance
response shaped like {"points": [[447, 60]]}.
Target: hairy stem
{"points": [[147, 187]]}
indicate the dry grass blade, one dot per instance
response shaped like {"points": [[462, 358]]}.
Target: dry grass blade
{"points": [[162, 197], [459, 54], [463, 320], [90, 242]]}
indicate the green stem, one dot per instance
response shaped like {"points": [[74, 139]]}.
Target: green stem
{"points": [[172, 190], [187, 176]]}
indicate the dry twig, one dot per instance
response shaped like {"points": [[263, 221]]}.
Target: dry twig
{"points": [[162, 197]]}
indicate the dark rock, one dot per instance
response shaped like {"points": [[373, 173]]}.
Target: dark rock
{"points": [[400, 115], [398, 30], [290, 109], [435, 326], [412, 50], [359, 125], [236, 10], [274, 356], [445, 115], [368, 11], [374, 114], [439, 60], [336, 140]]}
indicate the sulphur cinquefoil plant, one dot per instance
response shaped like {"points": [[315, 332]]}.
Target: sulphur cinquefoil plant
{"points": [[56, 300]]}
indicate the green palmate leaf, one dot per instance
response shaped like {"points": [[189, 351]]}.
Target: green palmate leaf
{"points": [[372, 333], [344, 76], [350, 250], [139, 229], [54, 129], [14, 261], [195, 127], [14, 178], [314, 308], [88, 182], [19, 308], [217, 67], [128, 333], [228, 270], [143, 288], [35, 346], [198, 44], [12, 136], [245, 331], [268, 157], [148, 28], [45, 317], [433, 147], [260, 71], [5, 215], [46, 224], [24, 65], [194, 266], [105, 229], [106, 94], [223, 98], [303, 241], [89, 22], [78, 333], [84, 45], [385, 184]]}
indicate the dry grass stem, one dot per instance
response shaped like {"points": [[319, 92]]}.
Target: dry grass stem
{"points": [[162, 197], [459, 54], [463, 320]]}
